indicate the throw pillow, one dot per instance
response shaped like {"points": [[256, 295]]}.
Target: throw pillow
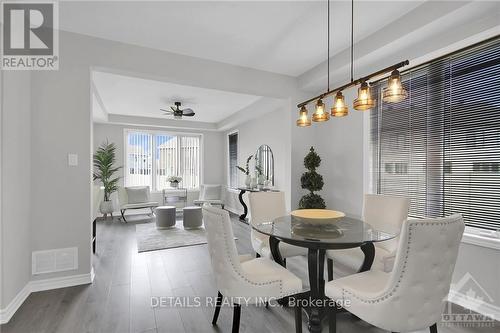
{"points": [[137, 194], [211, 192]]}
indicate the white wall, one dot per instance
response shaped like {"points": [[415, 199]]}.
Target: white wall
{"points": [[61, 124], [271, 129], [15, 244], [339, 142], [212, 151]]}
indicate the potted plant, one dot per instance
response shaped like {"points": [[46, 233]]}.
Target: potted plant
{"points": [[104, 169], [174, 181], [246, 171], [312, 181]]}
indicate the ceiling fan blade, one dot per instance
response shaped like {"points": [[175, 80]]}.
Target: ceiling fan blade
{"points": [[173, 109], [188, 114]]}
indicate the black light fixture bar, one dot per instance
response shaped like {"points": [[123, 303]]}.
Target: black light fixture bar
{"points": [[355, 82]]}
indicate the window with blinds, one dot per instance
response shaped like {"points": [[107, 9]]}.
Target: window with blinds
{"points": [[151, 158], [441, 146], [233, 159]]}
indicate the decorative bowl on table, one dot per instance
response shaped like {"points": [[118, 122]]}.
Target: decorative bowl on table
{"points": [[316, 223], [317, 214]]}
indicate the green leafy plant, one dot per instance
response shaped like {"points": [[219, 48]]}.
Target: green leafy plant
{"points": [[312, 181], [104, 168], [246, 170]]}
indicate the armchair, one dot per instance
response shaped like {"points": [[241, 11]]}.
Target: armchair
{"points": [[211, 194], [135, 197]]}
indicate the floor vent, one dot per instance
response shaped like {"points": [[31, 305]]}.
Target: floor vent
{"points": [[57, 260]]}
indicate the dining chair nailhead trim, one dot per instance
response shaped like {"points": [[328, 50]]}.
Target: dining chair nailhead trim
{"points": [[346, 292]]}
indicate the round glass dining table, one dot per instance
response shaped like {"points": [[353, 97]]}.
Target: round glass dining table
{"points": [[319, 235]]}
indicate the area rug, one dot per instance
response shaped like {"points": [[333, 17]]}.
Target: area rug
{"points": [[151, 239]]}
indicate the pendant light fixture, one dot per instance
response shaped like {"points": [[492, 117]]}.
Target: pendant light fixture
{"points": [[394, 92], [320, 115], [339, 108], [365, 100], [303, 120]]}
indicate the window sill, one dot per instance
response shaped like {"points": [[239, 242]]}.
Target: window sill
{"points": [[473, 236]]}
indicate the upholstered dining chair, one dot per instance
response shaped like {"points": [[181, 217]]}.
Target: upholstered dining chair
{"points": [[240, 278], [264, 207], [382, 212], [413, 295]]}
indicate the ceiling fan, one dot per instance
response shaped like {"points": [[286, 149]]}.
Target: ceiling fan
{"points": [[177, 112]]}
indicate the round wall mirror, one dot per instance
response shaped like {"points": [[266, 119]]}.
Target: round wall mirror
{"points": [[264, 162]]}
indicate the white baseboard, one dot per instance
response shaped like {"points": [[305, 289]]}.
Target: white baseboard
{"points": [[41, 285], [60, 282], [481, 307], [8, 312]]}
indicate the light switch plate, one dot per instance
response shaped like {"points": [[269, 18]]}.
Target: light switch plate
{"points": [[72, 159]]}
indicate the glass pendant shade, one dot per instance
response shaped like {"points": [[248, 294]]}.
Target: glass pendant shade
{"points": [[303, 120], [320, 115], [364, 100], [394, 92], [339, 108]]}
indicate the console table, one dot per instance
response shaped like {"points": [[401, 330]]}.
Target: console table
{"points": [[174, 196]]}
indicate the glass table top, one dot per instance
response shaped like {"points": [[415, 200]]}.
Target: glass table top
{"points": [[342, 232]]}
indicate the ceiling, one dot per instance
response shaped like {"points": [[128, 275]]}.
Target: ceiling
{"points": [[132, 96], [286, 37]]}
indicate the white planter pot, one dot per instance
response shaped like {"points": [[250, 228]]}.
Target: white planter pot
{"points": [[106, 207]]}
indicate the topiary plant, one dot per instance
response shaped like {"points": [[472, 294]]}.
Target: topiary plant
{"points": [[312, 181]]}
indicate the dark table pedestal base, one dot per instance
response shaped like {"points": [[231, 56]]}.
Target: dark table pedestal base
{"points": [[314, 302], [243, 217]]}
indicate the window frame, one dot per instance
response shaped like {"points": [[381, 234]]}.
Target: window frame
{"points": [[153, 133], [228, 164]]}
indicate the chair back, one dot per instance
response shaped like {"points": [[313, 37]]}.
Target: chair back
{"points": [[386, 213], [210, 192], [223, 254], [266, 206], [420, 280]]}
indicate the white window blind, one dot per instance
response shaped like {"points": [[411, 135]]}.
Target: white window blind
{"points": [[166, 159], [233, 160], [139, 159], [190, 161], [173, 155], [441, 146]]}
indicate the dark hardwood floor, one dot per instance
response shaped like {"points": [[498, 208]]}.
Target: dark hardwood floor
{"points": [[119, 300]]}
